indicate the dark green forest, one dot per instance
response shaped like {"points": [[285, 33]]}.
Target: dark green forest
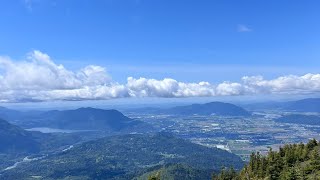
{"points": [[129, 157], [290, 162]]}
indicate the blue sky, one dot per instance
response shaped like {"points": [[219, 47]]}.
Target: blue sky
{"points": [[136, 37], [126, 48]]}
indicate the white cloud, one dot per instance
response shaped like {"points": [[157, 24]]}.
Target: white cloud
{"points": [[285, 84], [38, 78], [243, 28], [39, 72], [143, 87], [227, 88]]}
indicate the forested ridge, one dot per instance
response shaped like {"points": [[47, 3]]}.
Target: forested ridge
{"points": [[127, 157], [290, 162]]}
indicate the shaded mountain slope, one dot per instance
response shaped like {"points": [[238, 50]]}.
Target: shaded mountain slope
{"points": [[84, 119], [14, 139]]}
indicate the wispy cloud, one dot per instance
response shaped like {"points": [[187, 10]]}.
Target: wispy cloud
{"points": [[38, 78], [243, 28]]}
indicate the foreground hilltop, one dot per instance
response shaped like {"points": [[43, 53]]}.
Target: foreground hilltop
{"points": [[294, 161]]}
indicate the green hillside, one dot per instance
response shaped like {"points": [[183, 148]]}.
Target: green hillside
{"points": [[125, 157], [176, 172]]}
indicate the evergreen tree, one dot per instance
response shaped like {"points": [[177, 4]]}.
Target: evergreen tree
{"points": [[315, 160], [155, 176], [291, 162], [291, 174], [311, 144]]}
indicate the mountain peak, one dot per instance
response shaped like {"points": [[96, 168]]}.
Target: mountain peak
{"points": [[217, 108]]}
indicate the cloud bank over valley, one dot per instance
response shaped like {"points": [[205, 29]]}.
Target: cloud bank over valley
{"points": [[39, 78]]}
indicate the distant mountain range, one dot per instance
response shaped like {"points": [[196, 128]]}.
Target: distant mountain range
{"points": [[303, 105], [300, 119], [9, 114], [85, 119], [78, 119], [123, 157], [212, 108]]}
